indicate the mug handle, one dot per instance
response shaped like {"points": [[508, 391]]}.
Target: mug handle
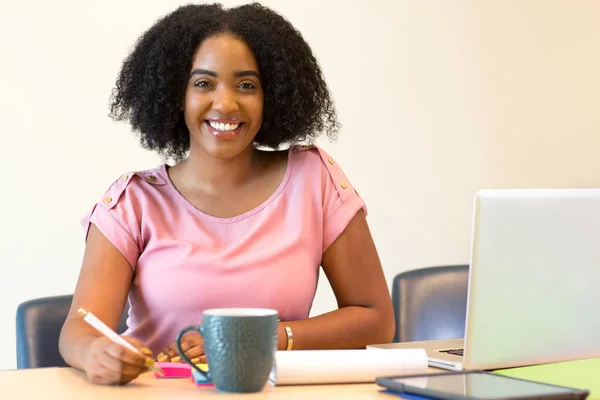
{"points": [[182, 354]]}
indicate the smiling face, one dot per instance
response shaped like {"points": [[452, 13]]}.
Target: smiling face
{"points": [[223, 106]]}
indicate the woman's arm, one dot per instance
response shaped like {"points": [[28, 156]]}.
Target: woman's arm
{"points": [[102, 288], [365, 315]]}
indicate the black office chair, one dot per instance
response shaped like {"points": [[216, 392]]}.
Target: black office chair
{"points": [[430, 303], [39, 322]]}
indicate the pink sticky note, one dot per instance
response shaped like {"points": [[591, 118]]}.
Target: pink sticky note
{"points": [[174, 370]]}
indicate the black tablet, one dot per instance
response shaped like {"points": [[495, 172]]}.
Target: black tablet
{"points": [[476, 385]]}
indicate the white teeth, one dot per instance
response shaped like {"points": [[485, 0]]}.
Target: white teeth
{"points": [[223, 127]]}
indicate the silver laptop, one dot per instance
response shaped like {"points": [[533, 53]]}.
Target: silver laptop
{"points": [[534, 282]]}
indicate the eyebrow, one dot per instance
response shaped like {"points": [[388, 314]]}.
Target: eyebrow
{"points": [[237, 74]]}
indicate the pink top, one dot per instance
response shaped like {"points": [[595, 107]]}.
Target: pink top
{"points": [[186, 261]]}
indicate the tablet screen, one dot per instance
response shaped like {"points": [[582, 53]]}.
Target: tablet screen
{"points": [[482, 385]]}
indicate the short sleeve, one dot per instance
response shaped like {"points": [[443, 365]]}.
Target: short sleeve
{"points": [[117, 216], [341, 201]]}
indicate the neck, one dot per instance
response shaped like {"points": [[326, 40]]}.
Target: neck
{"points": [[214, 175]]}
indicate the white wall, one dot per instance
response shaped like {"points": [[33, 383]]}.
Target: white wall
{"points": [[437, 99]]}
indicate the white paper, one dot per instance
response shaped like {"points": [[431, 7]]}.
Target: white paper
{"points": [[299, 367]]}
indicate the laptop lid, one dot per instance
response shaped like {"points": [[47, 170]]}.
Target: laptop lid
{"points": [[534, 284]]}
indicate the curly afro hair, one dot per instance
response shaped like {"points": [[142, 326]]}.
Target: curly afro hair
{"points": [[151, 85]]}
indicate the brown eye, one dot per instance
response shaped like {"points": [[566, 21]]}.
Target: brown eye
{"points": [[202, 84], [247, 85]]}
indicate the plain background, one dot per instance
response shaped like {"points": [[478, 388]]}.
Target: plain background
{"points": [[437, 98]]}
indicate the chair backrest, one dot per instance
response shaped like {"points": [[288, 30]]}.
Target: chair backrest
{"points": [[39, 322], [430, 303]]}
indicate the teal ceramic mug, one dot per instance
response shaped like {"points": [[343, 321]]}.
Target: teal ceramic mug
{"points": [[239, 344]]}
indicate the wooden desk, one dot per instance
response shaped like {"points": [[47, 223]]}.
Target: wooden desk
{"points": [[71, 384]]}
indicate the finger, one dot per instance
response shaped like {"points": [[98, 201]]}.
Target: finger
{"points": [[100, 375], [197, 351], [190, 340], [199, 360], [173, 353], [125, 378], [171, 350], [125, 355], [119, 367], [147, 352], [187, 344], [191, 349], [162, 356], [174, 356], [139, 345], [135, 342], [103, 375]]}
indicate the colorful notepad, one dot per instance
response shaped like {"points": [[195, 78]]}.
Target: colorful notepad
{"points": [[177, 370], [199, 379], [579, 374]]}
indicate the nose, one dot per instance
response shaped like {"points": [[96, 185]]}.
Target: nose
{"points": [[225, 101]]}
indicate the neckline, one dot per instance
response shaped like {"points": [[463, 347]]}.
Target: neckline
{"points": [[257, 209]]}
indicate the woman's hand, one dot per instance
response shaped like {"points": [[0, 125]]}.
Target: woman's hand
{"points": [[192, 345], [108, 363]]}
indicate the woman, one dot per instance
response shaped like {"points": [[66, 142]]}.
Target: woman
{"points": [[229, 225]]}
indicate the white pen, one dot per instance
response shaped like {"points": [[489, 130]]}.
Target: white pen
{"points": [[116, 338]]}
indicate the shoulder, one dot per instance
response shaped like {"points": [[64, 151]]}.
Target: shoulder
{"points": [[314, 159], [133, 185], [312, 155]]}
